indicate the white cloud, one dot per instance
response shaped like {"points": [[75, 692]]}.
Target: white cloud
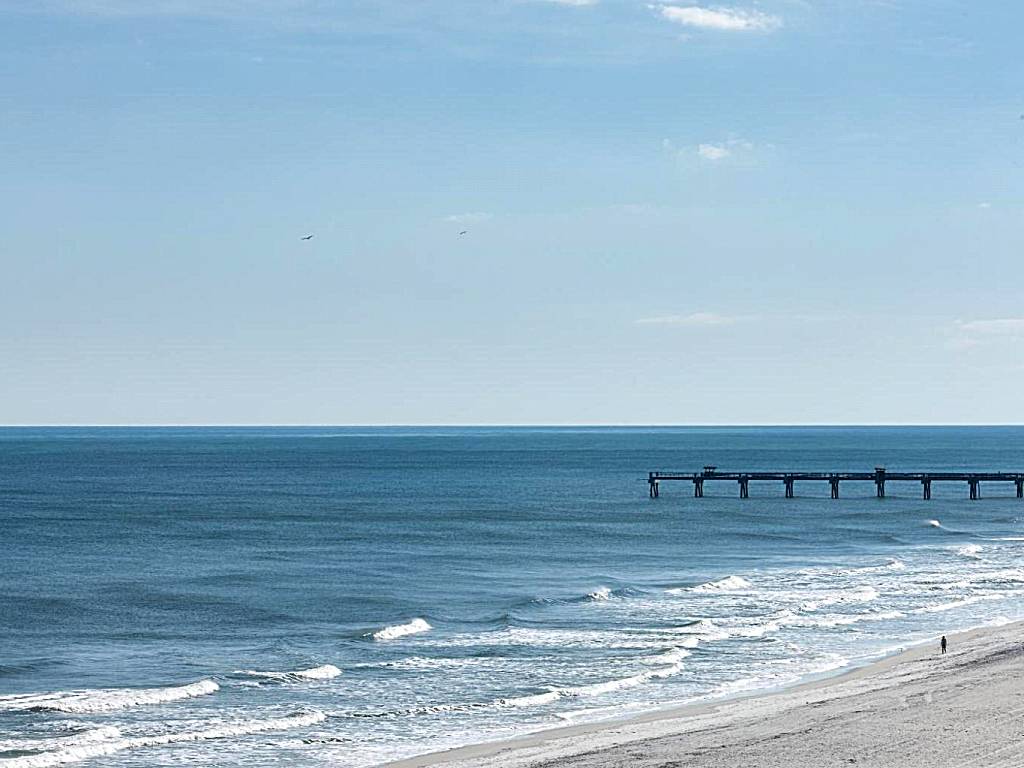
{"points": [[696, 319], [721, 19], [574, 3], [984, 205], [468, 218], [713, 151]]}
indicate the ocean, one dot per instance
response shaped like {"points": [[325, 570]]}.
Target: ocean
{"points": [[347, 596]]}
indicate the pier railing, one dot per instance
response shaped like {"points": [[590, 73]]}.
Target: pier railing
{"points": [[879, 476]]}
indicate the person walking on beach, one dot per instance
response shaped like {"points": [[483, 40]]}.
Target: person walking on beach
{"points": [[942, 643]]}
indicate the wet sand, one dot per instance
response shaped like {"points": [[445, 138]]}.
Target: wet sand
{"points": [[915, 708]]}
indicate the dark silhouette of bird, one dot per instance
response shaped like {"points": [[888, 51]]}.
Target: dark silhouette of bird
{"points": [[307, 237], [463, 232]]}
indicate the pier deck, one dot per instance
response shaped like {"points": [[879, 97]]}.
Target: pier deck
{"points": [[879, 476]]}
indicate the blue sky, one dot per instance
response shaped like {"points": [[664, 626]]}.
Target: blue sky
{"points": [[787, 211]]}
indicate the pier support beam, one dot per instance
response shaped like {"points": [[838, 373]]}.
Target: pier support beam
{"points": [[698, 487], [744, 487], [789, 487], [833, 486], [880, 482], [1019, 482], [973, 485], [652, 482], [926, 489]]}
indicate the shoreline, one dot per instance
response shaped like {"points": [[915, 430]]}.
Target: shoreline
{"points": [[605, 738]]}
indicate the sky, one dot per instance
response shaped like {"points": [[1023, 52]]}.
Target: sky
{"points": [[785, 211]]}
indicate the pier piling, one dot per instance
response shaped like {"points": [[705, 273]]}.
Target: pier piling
{"points": [[880, 476]]}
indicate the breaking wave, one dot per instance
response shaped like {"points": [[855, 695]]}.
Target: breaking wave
{"points": [[323, 672], [728, 584], [75, 753], [970, 550], [401, 630], [105, 700], [91, 736]]}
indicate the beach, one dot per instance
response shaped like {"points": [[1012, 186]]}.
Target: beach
{"points": [[914, 708]]}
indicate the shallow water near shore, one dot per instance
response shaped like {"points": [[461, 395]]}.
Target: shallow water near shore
{"points": [[346, 596]]}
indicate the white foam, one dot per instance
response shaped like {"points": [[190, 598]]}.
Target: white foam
{"points": [[80, 752], [840, 619], [970, 550], [107, 700], [91, 736], [601, 593], [672, 658], [934, 523], [728, 584], [323, 672], [858, 595], [402, 630], [939, 607]]}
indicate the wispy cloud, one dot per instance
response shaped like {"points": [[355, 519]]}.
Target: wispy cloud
{"points": [[975, 333], [574, 3], [695, 319], [468, 218], [710, 151], [719, 18]]}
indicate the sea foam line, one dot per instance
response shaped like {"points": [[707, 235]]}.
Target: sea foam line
{"points": [[401, 630], [74, 754], [106, 699]]}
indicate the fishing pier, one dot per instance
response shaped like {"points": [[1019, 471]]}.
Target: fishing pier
{"points": [[880, 476]]}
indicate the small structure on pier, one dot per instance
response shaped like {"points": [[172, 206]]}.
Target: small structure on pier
{"points": [[879, 476]]}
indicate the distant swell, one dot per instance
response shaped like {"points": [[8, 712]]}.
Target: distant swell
{"points": [[79, 752], [401, 630], [323, 672], [105, 700]]}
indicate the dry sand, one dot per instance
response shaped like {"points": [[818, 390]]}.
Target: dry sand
{"points": [[917, 708]]}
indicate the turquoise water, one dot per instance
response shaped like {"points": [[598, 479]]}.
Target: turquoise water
{"points": [[344, 596]]}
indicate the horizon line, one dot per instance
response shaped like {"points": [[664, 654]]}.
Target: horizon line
{"points": [[495, 425]]}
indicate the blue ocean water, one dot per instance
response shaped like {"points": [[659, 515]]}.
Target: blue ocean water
{"points": [[346, 596]]}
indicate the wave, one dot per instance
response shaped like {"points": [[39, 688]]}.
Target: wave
{"points": [[939, 607], [323, 672], [670, 663], [709, 630], [601, 593], [608, 686], [839, 619], [72, 754], [402, 630], [91, 736], [934, 523], [105, 700], [858, 595], [892, 565], [970, 550], [728, 584]]}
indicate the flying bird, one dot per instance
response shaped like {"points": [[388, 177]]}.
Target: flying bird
{"points": [[307, 237], [463, 232]]}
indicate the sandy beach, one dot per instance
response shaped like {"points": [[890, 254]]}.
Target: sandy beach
{"points": [[915, 708]]}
